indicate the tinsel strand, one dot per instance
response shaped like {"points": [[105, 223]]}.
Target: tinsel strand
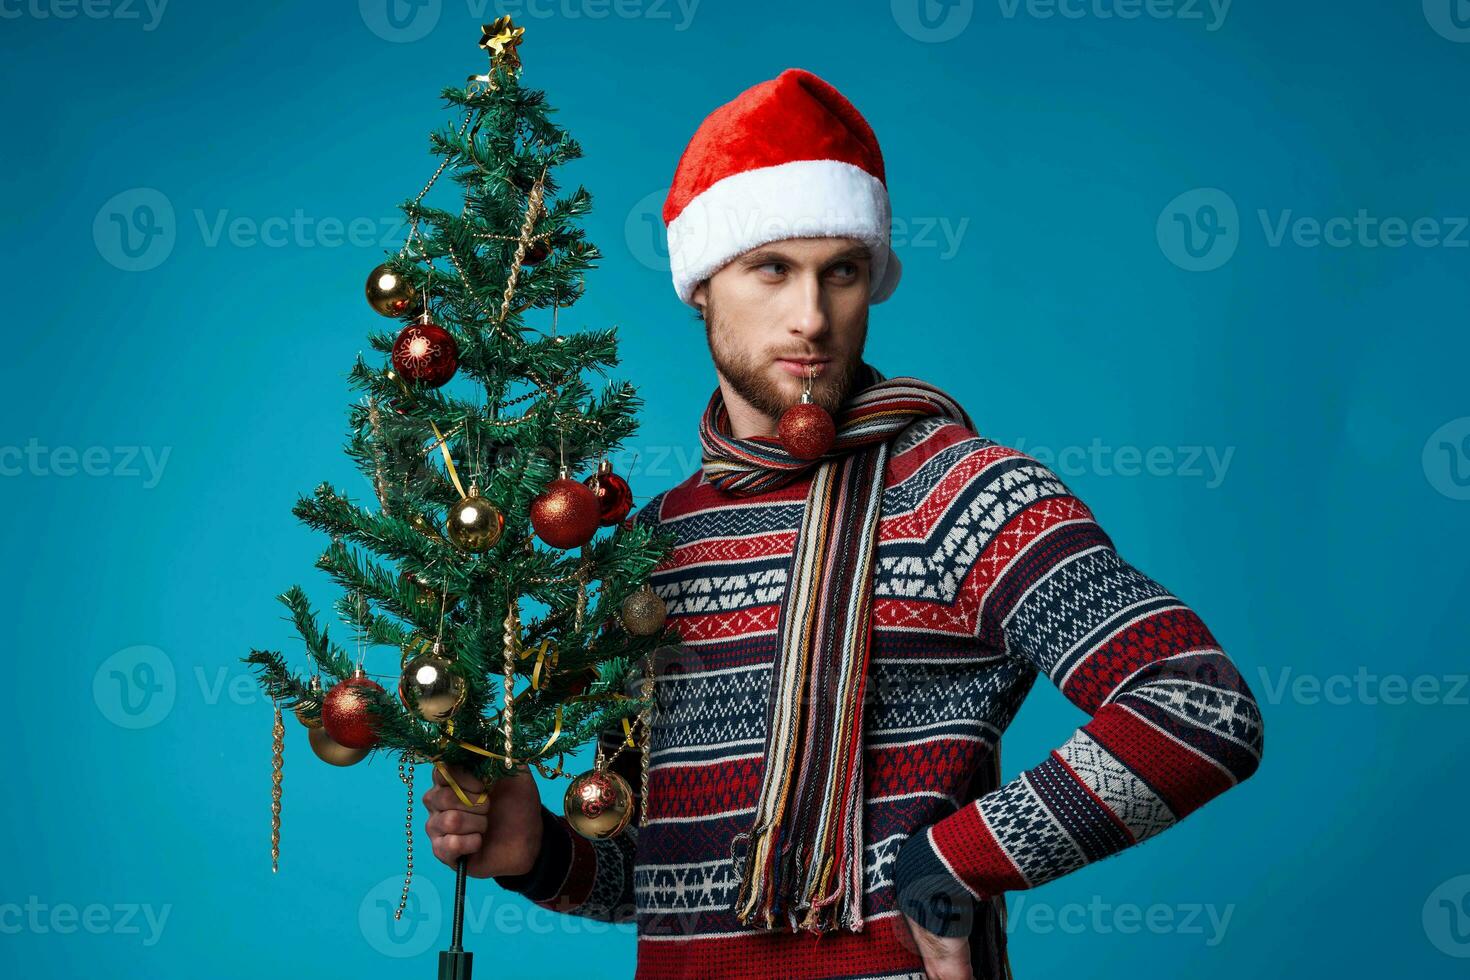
{"points": [[278, 752]]}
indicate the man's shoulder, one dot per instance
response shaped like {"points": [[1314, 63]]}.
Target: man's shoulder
{"points": [[946, 461], [931, 447]]}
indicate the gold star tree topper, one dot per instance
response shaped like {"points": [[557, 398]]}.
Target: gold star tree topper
{"points": [[501, 38]]}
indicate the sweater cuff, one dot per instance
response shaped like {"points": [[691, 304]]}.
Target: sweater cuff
{"points": [[927, 892], [547, 874]]}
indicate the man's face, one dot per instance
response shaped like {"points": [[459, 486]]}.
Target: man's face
{"points": [[783, 310]]}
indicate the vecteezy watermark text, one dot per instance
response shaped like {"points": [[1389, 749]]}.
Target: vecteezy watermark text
{"points": [[1201, 230], [98, 918], [126, 462], [1100, 459]]}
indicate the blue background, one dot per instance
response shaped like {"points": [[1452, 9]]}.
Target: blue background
{"points": [[1062, 187]]}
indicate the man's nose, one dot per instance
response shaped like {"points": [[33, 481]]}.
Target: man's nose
{"points": [[810, 317]]}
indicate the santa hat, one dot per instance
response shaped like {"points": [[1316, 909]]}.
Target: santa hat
{"points": [[787, 158]]}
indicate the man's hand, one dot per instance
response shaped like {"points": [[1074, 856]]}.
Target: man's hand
{"points": [[944, 958], [501, 836]]}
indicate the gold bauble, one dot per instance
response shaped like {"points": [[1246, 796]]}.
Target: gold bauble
{"points": [[644, 612], [390, 293], [309, 709], [329, 750], [474, 523], [598, 805], [430, 688]]}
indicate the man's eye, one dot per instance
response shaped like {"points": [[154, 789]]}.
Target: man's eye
{"points": [[851, 268], [779, 266]]}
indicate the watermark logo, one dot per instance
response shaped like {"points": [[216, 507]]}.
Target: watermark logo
{"points": [[1102, 918], [1449, 18], [643, 231], [1199, 230], [135, 229], [400, 21], [1366, 688], [1211, 13], [702, 228], [34, 459], [1447, 917], [1446, 459], [135, 687], [40, 918], [1097, 458], [680, 13], [148, 12], [932, 21], [409, 935]]}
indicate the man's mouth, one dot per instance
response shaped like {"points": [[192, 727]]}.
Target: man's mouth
{"points": [[801, 367]]}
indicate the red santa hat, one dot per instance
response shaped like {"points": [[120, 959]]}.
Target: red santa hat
{"points": [[787, 158]]}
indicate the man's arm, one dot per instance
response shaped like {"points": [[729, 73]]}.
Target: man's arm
{"points": [[1173, 723], [582, 877]]}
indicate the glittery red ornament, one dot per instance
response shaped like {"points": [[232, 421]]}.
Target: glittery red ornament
{"points": [[425, 352], [536, 253], [806, 430], [614, 496], [566, 515], [346, 715], [579, 682]]}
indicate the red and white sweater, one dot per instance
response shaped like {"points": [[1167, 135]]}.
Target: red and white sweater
{"points": [[989, 573]]}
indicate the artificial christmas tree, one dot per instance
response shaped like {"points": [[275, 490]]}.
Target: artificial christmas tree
{"points": [[461, 586]]}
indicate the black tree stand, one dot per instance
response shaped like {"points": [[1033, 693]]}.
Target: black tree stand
{"points": [[455, 963]]}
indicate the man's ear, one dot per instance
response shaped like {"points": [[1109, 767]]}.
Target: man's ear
{"points": [[700, 296]]}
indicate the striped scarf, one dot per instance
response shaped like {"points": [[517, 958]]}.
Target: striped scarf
{"points": [[804, 851]]}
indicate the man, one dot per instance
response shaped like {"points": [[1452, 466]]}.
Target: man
{"points": [[824, 791]]}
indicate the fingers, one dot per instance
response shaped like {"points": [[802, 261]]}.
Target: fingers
{"points": [[451, 847], [948, 969], [950, 961], [453, 822], [469, 782], [443, 797]]}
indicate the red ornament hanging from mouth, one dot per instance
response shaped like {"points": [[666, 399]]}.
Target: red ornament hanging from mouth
{"points": [[806, 429]]}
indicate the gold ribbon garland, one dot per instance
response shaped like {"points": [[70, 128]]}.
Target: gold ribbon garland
{"points": [[448, 460], [535, 757]]}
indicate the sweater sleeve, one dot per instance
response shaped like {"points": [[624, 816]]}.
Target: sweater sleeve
{"points": [[1172, 725], [578, 876]]}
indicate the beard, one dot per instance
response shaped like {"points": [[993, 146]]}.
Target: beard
{"points": [[750, 376]]}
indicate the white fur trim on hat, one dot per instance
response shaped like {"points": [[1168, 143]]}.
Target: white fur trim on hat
{"points": [[799, 199]]}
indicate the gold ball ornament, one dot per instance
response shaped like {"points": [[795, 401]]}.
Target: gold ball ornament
{"points": [[474, 523], [329, 750], [309, 709], [644, 612], [599, 804], [430, 688], [390, 293]]}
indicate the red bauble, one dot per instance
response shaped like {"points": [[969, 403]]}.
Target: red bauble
{"points": [[579, 682], [806, 430], [614, 496], [536, 253], [566, 515], [425, 352], [346, 715]]}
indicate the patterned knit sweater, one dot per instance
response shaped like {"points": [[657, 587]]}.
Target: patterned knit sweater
{"points": [[989, 572]]}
